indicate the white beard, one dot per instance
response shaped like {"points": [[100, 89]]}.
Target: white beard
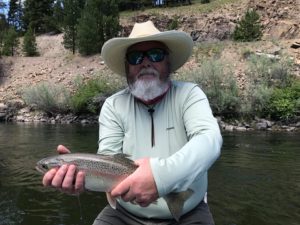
{"points": [[147, 90]]}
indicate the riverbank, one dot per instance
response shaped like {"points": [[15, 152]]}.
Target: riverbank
{"points": [[13, 114], [210, 29]]}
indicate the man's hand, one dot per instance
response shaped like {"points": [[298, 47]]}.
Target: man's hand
{"points": [[139, 187], [65, 177]]}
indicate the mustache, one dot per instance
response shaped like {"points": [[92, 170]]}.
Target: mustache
{"points": [[147, 71]]}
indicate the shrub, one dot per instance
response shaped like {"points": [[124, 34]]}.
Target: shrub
{"points": [[205, 51], [248, 28], [174, 23], [284, 103], [220, 87], [49, 97], [90, 95], [255, 100], [268, 88], [270, 72]]}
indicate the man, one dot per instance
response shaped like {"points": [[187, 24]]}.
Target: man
{"points": [[166, 126]]}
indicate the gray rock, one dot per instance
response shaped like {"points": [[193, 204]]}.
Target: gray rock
{"points": [[261, 126]]}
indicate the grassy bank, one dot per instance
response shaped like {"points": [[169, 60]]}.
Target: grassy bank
{"points": [[270, 91]]}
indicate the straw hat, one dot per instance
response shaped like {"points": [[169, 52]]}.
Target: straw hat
{"points": [[179, 43]]}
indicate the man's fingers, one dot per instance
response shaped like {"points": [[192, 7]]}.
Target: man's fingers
{"points": [[143, 204], [62, 150], [69, 178], [79, 184], [59, 176], [128, 196], [48, 177]]}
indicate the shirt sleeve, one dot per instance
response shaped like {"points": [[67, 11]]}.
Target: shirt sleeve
{"points": [[177, 172], [111, 133]]}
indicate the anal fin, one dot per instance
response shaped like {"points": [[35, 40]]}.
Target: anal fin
{"points": [[175, 202], [112, 201]]}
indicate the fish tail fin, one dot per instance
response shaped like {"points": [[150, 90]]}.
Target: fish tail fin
{"points": [[175, 202], [112, 201]]}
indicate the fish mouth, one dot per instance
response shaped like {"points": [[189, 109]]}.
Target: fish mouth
{"points": [[41, 170]]}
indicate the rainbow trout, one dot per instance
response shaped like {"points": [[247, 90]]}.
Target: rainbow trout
{"points": [[104, 172]]}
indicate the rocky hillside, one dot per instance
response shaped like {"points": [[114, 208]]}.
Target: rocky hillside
{"points": [[280, 19]]}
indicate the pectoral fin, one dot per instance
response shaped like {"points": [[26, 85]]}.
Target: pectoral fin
{"points": [[175, 202], [112, 201]]}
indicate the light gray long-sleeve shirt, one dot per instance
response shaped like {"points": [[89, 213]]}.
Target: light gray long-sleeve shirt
{"points": [[187, 141]]}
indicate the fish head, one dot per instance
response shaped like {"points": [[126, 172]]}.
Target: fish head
{"points": [[48, 163]]}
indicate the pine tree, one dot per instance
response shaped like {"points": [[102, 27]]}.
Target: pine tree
{"points": [[72, 13], [3, 28], [98, 23], [248, 28], [111, 25], [15, 13], [29, 43], [58, 14], [89, 29], [39, 14], [10, 42]]}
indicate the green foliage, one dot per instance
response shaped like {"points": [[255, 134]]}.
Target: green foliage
{"points": [[264, 74], [284, 102], [3, 29], [49, 97], [98, 23], [270, 72], [89, 95], [29, 43], [10, 42], [58, 14], [248, 28], [39, 14], [72, 13], [174, 24], [220, 87], [205, 51], [255, 100]]}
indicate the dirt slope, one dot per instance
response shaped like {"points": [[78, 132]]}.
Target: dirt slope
{"points": [[280, 18]]}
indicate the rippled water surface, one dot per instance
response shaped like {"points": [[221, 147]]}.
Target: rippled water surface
{"points": [[256, 181]]}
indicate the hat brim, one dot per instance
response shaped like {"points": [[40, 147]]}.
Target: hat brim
{"points": [[179, 43]]}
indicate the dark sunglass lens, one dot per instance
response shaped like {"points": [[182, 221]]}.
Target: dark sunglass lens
{"points": [[156, 55], [134, 58]]}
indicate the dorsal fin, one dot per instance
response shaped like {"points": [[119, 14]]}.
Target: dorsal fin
{"points": [[124, 159]]}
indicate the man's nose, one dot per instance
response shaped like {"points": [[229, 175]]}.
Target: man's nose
{"points": [[146, 61]]}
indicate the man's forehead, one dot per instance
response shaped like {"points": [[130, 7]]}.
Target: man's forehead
{"points": [[145, 45]]}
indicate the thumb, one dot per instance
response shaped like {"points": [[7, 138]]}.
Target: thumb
{"points": [[61, 149]]}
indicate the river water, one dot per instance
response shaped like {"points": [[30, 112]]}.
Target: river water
{"points": [[256, 181]]}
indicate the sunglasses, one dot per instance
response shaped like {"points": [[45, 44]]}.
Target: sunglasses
{"points": [[154, 55]]}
